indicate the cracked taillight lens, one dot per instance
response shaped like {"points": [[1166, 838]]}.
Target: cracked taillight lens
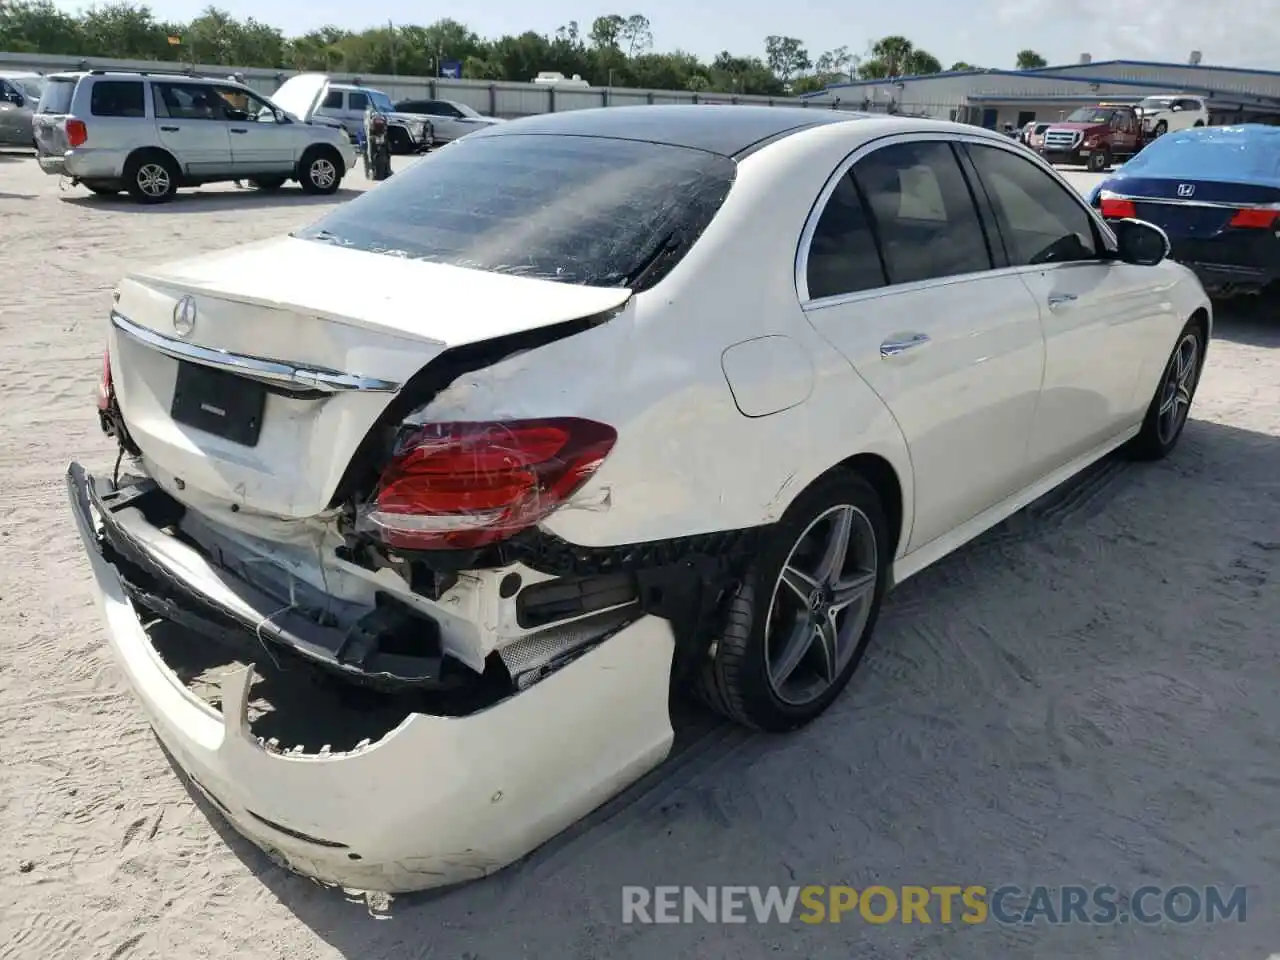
{"points": [[459, 486]]}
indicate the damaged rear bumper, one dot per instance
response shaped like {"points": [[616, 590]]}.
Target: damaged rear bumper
{"points": [[438, 800]]}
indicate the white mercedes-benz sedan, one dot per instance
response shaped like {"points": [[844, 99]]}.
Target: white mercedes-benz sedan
{"points": [[580, 410]]}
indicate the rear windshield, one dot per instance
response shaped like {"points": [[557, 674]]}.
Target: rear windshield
{"points": [[57, 95], [1239, 154], [579, 210]]}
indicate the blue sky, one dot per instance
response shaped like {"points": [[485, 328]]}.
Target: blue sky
{"points": [[987, 32]]}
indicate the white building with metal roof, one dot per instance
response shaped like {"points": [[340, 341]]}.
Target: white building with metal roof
{"points": [[992, 98]]}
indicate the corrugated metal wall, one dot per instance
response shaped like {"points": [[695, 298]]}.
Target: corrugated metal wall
{"points": [[503, 99], [1255, 83]]}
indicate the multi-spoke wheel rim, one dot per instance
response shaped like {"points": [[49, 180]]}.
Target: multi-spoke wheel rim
{"points": [[153, 180], [323, 173], [820, 605], [1178, 388]]}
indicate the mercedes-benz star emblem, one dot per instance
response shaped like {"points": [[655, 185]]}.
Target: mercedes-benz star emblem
{"points": [[184, 316]]}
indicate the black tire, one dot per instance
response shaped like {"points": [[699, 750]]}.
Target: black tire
{"points": [[269, 183], [1099, 160], [399, 141], [100, 188], [1161, 128], [1158, 436], [735, 680], [1198, 123], [151, 176], [320, 171]]}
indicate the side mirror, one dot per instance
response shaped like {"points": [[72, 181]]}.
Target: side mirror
{"points": [[1140, 243]]}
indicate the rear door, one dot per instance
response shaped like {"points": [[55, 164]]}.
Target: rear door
{"points": [[1103, 319], [899, 274], [192, 124], [357, 103]]}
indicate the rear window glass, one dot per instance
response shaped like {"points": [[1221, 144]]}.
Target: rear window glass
{"points": [[117, 98], [1236, 154], [580, 210], [57, 95]]}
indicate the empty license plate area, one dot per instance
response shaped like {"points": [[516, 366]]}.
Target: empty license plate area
{"points": [[219, 403]]}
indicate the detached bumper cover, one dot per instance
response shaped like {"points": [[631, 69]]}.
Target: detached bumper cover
{"points": [[438, 800]]}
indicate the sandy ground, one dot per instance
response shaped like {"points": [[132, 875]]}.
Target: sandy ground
{"points": [[1090, 694]]}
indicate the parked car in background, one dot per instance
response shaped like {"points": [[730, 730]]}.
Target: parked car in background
{"points": [[19, 94], [152, 133], [1095, 136], [1035, 139], [314, 97], [922, 325], [449, 118], [1216, 192], [1165, 114]]}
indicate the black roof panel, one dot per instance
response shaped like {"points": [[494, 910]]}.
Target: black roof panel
{"points": [[727, 129]]}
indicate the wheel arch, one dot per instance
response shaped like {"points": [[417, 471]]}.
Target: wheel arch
{"points": [[313, 148], [151, 149]]}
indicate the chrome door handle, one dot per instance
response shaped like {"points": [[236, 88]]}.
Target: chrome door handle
{"points": [[1058, 299], [891, 348]]}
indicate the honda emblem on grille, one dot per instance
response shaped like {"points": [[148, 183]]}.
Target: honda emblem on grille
{"points": [[1186, 189], [184, 316]]}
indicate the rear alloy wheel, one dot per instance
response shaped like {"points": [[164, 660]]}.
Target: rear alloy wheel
{"points": [[801, 620], [1162, 127], [320, 171], [1099, 160], [1171, 406], [151, 178]]}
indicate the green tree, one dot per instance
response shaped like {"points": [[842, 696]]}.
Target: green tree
{"points": [[1030, 60], [786, 57], [896, 56]]}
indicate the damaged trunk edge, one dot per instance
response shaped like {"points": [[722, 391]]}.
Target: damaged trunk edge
{"points": [[377, 664]]}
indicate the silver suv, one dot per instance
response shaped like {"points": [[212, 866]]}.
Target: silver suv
{"points": [[151, 133]]}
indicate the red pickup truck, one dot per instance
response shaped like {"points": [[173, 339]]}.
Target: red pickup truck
{"points": [[1095, 136]]}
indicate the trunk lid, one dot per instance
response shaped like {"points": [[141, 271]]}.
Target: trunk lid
{"points": [[49, 121], [1189, 208], [336, 331]]}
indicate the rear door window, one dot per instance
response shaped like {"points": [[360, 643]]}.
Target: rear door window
{"points": [[922, 211], [118, 98], [189, 101], [842, 254], [580, 210], [58, 92]]}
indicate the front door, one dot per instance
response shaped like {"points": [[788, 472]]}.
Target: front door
{"points": [[1102, 319], [900, 279], [259, 145], [192, 124]]}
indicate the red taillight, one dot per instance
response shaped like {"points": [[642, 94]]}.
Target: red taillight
{"points": [[1114, 209], [458, 486], [1255, 218], [77, 132], [104, 382]]}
